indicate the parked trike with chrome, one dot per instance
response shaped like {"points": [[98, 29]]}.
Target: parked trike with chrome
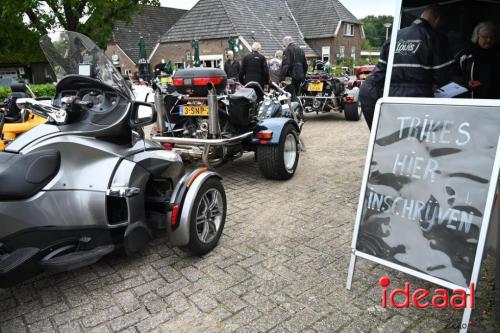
{"points": [[322, 93], [204, 120]]}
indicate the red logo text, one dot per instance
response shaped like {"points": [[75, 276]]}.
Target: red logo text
{"points": [[423, 298]]}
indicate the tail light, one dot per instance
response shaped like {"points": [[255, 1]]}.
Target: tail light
{"points": [[168, 146], [264, 135], [178, 82], [203, 81], [174, 219], [349, 99]]}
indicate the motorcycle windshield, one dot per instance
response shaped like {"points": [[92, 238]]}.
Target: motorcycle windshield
{"points": [[71, 53]]}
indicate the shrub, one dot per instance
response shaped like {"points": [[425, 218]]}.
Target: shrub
{"points": [[38, 89]]}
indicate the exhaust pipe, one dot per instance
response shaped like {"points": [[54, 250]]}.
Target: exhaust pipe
{"points": [[213, 113], [161, 110]]}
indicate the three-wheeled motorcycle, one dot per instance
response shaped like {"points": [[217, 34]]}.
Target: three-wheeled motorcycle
{"points": [[322, 93], [86, 182], [204, 120], [13, 120]]}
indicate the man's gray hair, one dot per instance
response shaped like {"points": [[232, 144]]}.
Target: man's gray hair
{"points": [[256, 46], [483, 27], [230, 52], [287, 40], [278, 54]]}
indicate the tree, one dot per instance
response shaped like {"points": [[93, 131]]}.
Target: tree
{"points": [[374, 29], [93, 18]]}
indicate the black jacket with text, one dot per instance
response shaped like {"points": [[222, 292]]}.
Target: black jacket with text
{"points": [[421, 59]]}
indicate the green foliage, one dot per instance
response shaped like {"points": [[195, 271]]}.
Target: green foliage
{"points": [[38, 89], [23, 22], [375, 30]]}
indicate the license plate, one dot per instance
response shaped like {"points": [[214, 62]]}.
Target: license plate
{"points": [[315, 86], [193, 110], [166, 80]]}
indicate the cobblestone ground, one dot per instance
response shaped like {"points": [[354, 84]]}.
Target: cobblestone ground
{"points": [[281, 264]]}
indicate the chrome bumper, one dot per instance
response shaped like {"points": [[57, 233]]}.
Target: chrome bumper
{"points": [[201, 142]]}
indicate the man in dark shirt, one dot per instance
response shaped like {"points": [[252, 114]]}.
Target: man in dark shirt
{"points": [[232, 67], [254, 67], [294, 65]]}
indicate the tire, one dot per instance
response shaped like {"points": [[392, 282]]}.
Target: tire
{"points": [[212, 192], [271, 158], [352, 112]]}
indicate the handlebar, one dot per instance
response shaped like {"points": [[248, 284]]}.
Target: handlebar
{"points": [[43, 110], [280, 89]]}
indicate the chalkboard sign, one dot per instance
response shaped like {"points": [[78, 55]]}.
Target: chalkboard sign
{"points": [[424, 199]]}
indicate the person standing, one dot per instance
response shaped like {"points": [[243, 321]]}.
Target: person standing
{"points": [[372, 88], [232, 67], [254, 67], [478, 65], [294, 65], [275, 67], [422, 61]]}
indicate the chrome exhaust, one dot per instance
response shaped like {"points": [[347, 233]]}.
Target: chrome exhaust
{"points": [[213, 113], [161, 110]]}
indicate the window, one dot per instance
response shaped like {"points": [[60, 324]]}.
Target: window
{"points": [[353, 52], [349, 29], [342, 51], [325, 53]]}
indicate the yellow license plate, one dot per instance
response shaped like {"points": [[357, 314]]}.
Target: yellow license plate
{"points": [[166, 80], [193, 110], [315, 86]]}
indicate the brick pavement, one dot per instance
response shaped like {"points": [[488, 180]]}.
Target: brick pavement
{"points": [[280, 266]]}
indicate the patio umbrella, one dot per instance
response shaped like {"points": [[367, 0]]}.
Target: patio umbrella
{"points": [[143, 62], [196, 48]]}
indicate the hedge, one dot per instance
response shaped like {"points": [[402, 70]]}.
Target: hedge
{"points": [[38, 89]]}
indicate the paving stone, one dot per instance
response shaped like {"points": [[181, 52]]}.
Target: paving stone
{"points": [[43, 326], [73, 314], [128, 320], [204, 302], [102, 316], [127, 301], [13, 326], [301, 320]]}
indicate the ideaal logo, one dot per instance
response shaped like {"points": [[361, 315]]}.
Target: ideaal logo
{"points": [[423, 298]]}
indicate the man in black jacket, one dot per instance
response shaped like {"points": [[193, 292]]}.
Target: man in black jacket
{"points": [[294, 65], [254, 67], [232, 67], [422, 59]]}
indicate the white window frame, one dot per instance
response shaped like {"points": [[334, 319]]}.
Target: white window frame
{"points": [[348, 29], [353, 51], [325, 53], [342, 52]]}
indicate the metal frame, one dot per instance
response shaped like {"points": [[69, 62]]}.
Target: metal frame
{"points": [[487, 211]]}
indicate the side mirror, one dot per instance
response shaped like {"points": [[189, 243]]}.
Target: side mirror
{"points": [[142, 114]]}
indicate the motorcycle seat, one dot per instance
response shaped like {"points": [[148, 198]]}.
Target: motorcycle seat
{"points": [[24, 175]]}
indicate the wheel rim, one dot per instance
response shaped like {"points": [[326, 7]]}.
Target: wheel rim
{"points": [[290, 152], [209, 215]]}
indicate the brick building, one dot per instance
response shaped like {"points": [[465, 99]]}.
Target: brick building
{"points": [[150, 23], [323, 29]]}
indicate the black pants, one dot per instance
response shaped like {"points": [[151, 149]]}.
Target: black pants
{"points": [[368, 97], [294, 89]]}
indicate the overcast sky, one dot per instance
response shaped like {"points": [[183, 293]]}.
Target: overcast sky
{"points": [[360, 8]]}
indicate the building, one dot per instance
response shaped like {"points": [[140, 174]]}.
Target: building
{"points": [[34, 70], [213, 22], [329, 28], [150, 23]]}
